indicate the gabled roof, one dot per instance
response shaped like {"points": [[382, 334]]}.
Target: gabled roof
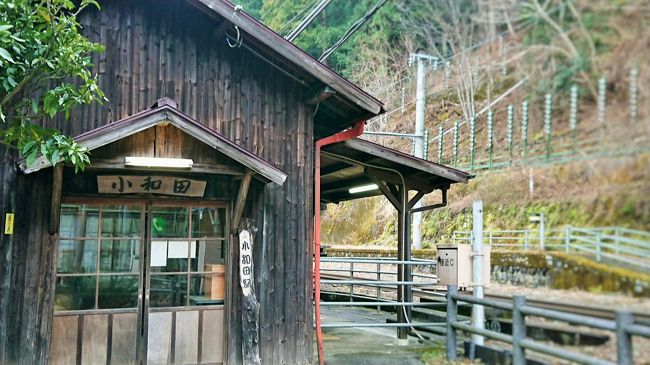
{"points": [[357, 162], [165, 111], [346, 105]]}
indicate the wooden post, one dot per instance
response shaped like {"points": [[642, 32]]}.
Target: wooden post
{"points": [[241, 201], [250, 305], [55, 208]]}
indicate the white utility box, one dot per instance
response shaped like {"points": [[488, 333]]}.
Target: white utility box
{"points": [[454, 265]]}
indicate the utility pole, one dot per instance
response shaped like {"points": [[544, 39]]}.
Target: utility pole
{"points": [[420, 109]]}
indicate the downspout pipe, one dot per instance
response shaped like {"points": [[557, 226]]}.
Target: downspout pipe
{"points": [[353, 132]]}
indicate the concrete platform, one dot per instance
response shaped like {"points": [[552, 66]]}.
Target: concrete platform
{"points": [[372, 346]]}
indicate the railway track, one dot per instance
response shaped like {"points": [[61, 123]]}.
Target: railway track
{"points": [[431, 294]]}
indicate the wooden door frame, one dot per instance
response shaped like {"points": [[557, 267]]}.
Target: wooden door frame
{"points": [[142, 309]]}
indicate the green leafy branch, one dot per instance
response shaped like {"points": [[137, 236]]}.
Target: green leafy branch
{"points": [[45, 67]]}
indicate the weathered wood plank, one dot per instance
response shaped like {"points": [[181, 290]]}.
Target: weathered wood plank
{"points": [[95, 339], [159, 342], [212, 336], [64, 341], [123, 338], [186, 337], [55, 205]]}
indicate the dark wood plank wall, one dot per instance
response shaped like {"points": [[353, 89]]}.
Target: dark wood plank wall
{"points": [[27, 266], [168, 48]]}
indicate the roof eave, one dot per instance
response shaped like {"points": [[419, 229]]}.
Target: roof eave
{"points": [[138, 122], [295, 55]]}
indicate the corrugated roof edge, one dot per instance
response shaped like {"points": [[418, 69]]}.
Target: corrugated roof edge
{"points": [[295, 55]]}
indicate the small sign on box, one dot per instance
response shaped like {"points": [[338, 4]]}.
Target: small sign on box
{"points": [[454, 265]]}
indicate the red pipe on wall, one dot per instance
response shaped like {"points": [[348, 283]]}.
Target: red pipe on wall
{"points": [[353, 132]]}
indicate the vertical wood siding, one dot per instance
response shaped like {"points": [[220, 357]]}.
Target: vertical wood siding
{"points": [[27, 266], [168, 48]]}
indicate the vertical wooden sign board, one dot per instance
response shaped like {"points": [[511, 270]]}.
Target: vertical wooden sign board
{"points": [[251, 308]]}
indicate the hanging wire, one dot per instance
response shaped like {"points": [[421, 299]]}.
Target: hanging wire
{"points": [[238, 38]]}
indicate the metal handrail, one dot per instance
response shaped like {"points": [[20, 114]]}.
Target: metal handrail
{"points": [[623, 327], [616, 244], [374, 261], [379, 284]]}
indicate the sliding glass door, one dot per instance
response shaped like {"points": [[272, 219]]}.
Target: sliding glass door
{"points": [[139, 283]]}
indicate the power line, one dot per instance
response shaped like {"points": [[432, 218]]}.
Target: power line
{"points": [[300, 13], [352, 30], [307, 20]]}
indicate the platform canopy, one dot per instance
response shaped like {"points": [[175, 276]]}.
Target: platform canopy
{"points": [[357, 168], [350, 168]]}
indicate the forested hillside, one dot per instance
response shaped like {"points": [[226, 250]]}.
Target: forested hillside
{"points": [[483, 49]]}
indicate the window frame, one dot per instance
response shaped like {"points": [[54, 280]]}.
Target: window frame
{"points": [[144, 239]]}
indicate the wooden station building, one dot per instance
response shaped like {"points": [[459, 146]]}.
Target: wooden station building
{"points": [[209, 130]]}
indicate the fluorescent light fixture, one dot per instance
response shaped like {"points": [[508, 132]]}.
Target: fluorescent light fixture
{"points": [[159, 162], [364, 188]]}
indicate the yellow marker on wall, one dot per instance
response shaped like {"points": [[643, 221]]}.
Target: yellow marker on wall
{"points": [[9, 223]]}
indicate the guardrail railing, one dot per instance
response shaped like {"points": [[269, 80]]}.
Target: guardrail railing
{"points": [[623, 246], [624, 328], [377, 274]]}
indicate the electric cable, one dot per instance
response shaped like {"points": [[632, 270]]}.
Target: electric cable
{"points": [[300, 13]]}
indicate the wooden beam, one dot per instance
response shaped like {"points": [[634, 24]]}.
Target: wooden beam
{"points": [[345, 184], [415, 199], [320, 94], [335, 167], [395, 190], [412, 183], [387, 193], [55, 204], [241, 201]]}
